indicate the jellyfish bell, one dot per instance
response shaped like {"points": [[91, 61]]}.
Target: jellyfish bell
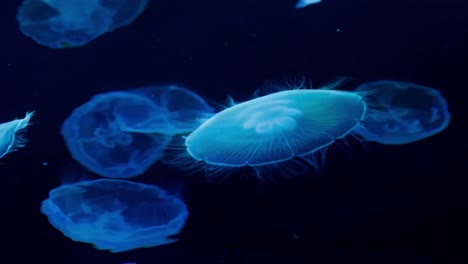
{"points": [[11, 134], [275, 129], [115, 215], [105, 135], [401, 112], [72, 23]]}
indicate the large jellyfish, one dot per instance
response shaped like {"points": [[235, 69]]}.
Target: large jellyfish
{"points": [[115, 215], [11, 134], [185, 109], [401, 112], [96, 139], [276, 128], [72, 23]]}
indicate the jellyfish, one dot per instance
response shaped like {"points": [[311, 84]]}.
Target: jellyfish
{"points": [[12, 134], [72, 23], [142, 116], [115, 215], [100, 142], [185, 109], [401, 112], [276, 128], [304, 3]]}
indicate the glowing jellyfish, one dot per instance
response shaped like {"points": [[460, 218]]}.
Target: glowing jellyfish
{"points": [[401, 112], [304, 3], [142, 116], [99, 142], [115, 215], [11, 134], [185, 109], [276, 128], [71, 23]]}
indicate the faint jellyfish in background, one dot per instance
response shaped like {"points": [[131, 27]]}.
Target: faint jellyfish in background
{"points": [[304, 3], [12, 134], [72, 23], [275, 129], [104, 146], [184, 109], [115, 215], [401, 112]]}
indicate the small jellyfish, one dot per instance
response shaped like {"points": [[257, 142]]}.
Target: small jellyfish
{"points": [[115, 215], [276, 128], [72, 23], [401, 112], [12, 134], [185, 110], [304, 3], [98, 138]]}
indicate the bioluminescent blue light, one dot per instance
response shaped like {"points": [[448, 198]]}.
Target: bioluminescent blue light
{"points": [[276, 127], [304, 3], [401, 112], [72, 23], [12, 134], [97, 137], [142, 115], [115, 215], [185, 109]]}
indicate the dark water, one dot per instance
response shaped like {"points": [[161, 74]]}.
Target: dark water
{"points": [[404, 204]]}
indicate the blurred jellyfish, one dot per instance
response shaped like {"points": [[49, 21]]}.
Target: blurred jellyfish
{"points": [[276, 128], [72, 23], [185, 109], [11, 134], [142, 115], [99, 142], [401, 112], [304, 3], [115, 215]]}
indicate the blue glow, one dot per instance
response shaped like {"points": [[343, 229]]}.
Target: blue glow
{"points": [[115, 215], [275, 128], [96, 139], [304, 3], [72, 23], [12, 134], [185, 109], [141, 115], [401, 112]]}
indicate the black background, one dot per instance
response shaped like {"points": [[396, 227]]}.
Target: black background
{"points": [[387, 204]]}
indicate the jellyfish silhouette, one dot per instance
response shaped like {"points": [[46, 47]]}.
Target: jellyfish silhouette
{"points": [[72, 23], [401, 112], [276, 128], [97, 140], [184, 109], [12, 136], [115, 215]]}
